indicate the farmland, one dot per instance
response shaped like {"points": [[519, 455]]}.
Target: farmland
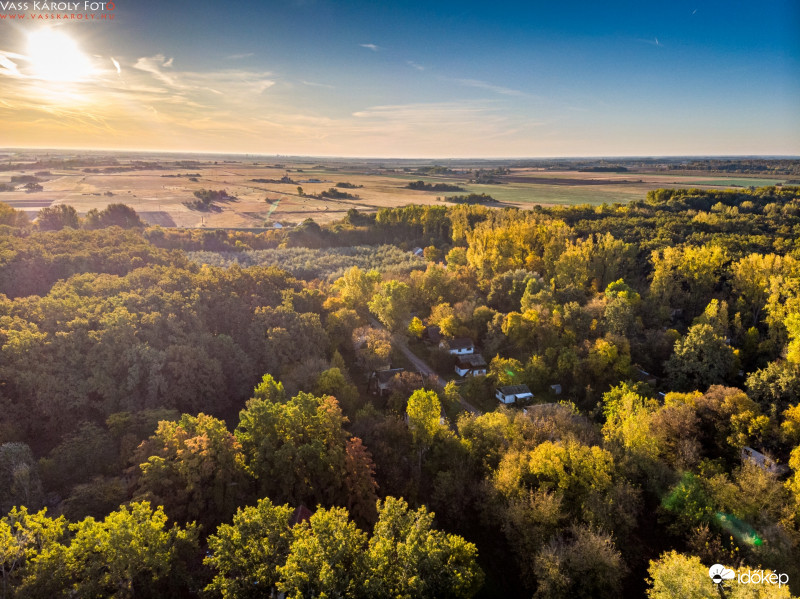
{"points": [[263, 192]]}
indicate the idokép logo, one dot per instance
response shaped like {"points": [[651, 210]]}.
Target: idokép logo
{"points": [[720, 574]]}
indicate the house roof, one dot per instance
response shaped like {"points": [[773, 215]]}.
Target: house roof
{"points": [[433, 333], [514, 390], [384, 376], [460, 343], [471, 360]]}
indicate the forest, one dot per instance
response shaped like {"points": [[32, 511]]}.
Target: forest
{"points": [[189, 413]]}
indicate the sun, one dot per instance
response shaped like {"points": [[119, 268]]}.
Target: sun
{"points": [[54, 56]]}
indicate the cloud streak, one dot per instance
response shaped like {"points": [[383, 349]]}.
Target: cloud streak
{"points": [[372, 47], [497, 89]]}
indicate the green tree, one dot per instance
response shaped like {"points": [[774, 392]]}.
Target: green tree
{"points": [[700, 359], [424, 411], [407, 558], [391, 304], [23, 536], [270, 390], [246, 554], [128, 554], [327, 558], [675, 575], [355, 287], [195, 468], [416, 328]]}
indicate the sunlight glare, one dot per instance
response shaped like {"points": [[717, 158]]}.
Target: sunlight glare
{"points": [[56, 57]]}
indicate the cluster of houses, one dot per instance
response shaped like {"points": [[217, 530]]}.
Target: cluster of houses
{"points": [[471, 363]]}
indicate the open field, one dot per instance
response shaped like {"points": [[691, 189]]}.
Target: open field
{"points": [[161, 189]]}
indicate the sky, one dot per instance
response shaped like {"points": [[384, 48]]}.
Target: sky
{"points": [[436, 79]]}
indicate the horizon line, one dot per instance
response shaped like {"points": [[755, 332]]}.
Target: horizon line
{"points": [[366, 157]]}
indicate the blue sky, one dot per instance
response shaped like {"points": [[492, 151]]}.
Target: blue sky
{"points": [[436, 79]]}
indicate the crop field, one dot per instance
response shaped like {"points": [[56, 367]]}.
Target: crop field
{"points": [[261, 194]]}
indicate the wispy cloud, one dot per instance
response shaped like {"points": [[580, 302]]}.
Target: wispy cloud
{"points": [[414, 65], [116, 65], [314, 84], [652, 42], [372, 47], [240, 56], [498, 89]]}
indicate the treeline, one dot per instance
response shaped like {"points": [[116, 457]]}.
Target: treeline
{"points": [[327, 264], [472, 198], [422, 186]]}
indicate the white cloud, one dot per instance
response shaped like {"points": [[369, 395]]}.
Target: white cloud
{"points": [[505, 91], [372, 47]]}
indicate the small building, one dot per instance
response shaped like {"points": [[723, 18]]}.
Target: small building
{"points": [[513, 393], [459, 346], [419, 252], [432, 334], [555, 389], [764, 462], [470, 365], [380, 381]]}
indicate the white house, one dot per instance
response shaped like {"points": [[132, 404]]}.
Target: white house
{"points": [[470, 365], [459, 346], [513, 393]]}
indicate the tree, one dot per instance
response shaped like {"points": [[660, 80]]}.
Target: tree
{"points": [[23, 536], [327, 558], [55, 218], [408, 559], [270, 390], [697, 269], [355, 287], [416, 328], [130, 553], [297, 451], [628, 422], [19, 477], [119, 215], [195, 468], [332, 382], [424, 412], [373, 347], [700, 359], [580, 563], [246, 554], [676, 575], [391, 304]]}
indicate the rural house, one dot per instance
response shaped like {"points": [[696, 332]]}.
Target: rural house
{"points": [[513, 393], [470, 365], [459, 346]]}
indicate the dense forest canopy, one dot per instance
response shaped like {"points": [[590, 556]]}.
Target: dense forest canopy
{"points": [[187, 412]]}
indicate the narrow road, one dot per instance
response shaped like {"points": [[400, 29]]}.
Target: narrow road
{"points": [[422, 367]]}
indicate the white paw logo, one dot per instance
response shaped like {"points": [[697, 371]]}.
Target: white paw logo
{"points": [[718, 573]]}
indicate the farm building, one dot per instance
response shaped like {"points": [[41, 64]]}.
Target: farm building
{"points": [[470, 365], [459, 346], [513, 393], [432, 335]]}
